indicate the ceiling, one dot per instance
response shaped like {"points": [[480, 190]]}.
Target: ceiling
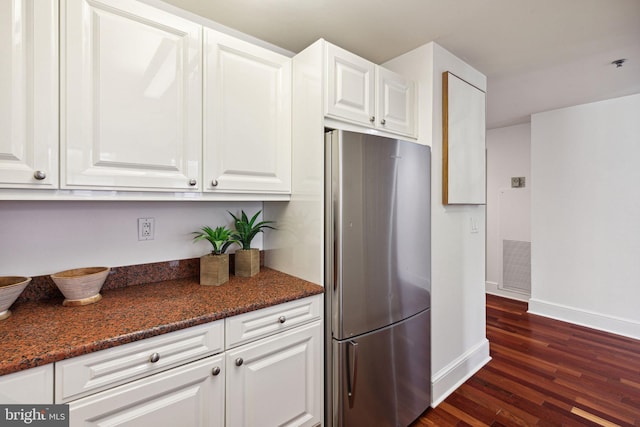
{"points": [[538, 55]]}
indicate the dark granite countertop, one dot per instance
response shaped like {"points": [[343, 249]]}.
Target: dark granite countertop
{"points": [[41, 332]]}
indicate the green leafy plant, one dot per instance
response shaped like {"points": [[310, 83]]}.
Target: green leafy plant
{"points": [[220, 238], [247, 229]]}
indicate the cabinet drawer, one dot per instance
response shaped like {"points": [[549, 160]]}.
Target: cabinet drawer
{"points": [[103, 369], [267, 321]]}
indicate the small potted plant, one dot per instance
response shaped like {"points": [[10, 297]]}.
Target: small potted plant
{"points": [[214, 267], [247, 259]]}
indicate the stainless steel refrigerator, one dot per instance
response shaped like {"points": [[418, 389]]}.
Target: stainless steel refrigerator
{"points": [[378, 280]]}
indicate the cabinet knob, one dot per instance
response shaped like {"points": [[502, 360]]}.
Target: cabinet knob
{"points": [[239, 361], [214, 183], [282, 319], [383, 122], [154, 357], [215, 371], [372, 119], [192, 182], [39, 175]]}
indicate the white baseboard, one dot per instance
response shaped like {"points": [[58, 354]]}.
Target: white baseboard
{"points": [[590, 319], [493, 289], [452, 376]]}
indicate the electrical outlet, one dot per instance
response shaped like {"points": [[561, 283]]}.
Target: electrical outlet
{"points": [[146, 228]]}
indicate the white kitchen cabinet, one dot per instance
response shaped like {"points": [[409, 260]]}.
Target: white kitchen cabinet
{"points": [[131, 92], [31, 386], [101, 370], [359, 91], [396, 102], [269, 371], [191, 395], [277, 380], [29, 94], [350, 88], [247, 111]]}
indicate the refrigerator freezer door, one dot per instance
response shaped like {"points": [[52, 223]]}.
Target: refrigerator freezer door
{"points": [[383, 378], [380, 204]]}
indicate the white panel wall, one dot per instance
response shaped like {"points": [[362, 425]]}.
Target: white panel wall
{"points": [[458, 335], [297, 248], [586, 214], [508, 209], [40, 238]]}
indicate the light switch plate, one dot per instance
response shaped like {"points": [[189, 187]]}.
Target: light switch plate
{"points": [[517, 181]]}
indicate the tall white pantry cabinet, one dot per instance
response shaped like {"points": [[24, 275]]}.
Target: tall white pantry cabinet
{"points": [[29, 93]]}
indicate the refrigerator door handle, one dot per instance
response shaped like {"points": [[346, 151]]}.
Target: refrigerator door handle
{"points": [[352, 371]]}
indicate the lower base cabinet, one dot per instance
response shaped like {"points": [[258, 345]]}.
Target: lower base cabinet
{"points": [[191, 395], [276, 381], [259, 369], [32, 386]]}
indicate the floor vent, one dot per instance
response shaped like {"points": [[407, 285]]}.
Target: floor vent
{"points": [[516, 266]]}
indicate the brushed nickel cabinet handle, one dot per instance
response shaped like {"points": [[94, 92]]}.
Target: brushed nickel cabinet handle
{"points": [[39, 175], [154, 357], [239, 361]]}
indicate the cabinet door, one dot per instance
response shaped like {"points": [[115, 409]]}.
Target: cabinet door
{"points": [[131, 97], [350, 87], [396, 103], [29, 94], [247, 117], [31, 386], [191, 395], [277, 381]]}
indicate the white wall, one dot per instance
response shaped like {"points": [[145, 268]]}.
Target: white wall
{"points": [[586, 215], [508, 209], [458, 335], [43, 237]]}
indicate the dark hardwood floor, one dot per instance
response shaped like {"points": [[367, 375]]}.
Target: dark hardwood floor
{"points": [[545, 372]]}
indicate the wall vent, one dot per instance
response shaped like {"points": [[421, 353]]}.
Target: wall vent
{"points": [[516, 266]]}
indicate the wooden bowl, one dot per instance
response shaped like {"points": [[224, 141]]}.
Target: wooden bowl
{"points": [[81, 286], [10, 289]]}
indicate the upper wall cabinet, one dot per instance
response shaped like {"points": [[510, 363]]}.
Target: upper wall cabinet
{"points": [[28, 94], [396, 102], [247, 110], [350, 88], [131, 88], [364, 93]]}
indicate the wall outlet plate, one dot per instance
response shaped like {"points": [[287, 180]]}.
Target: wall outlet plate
{"points": [[146, 228]]}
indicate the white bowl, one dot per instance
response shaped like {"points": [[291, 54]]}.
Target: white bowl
{"points": [[10, 289], [81, 286]]}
